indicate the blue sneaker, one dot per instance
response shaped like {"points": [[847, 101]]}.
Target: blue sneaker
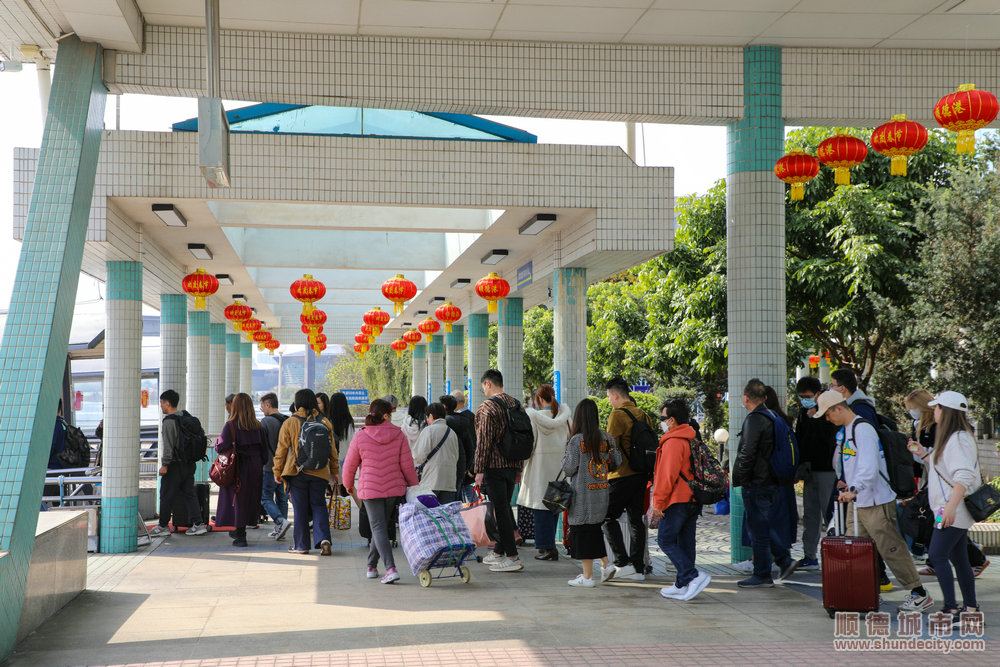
{"points": [[808, 564]]}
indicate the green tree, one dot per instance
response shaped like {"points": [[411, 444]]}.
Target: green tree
{"points": [[537, 348], [381, 372], [617, 330]]}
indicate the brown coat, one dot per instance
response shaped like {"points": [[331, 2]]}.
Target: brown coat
{"points": [[288, 449]]}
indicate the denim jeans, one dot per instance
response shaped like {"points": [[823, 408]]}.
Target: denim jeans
{"points": [[545, 529], [309, 502], [468, 494], [949, 547], [273, 497], [757, 503], [675, 535]]}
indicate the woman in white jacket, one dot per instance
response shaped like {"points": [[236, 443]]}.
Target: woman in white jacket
{"points": [[415, 419], [952, 473], [551, 424]]}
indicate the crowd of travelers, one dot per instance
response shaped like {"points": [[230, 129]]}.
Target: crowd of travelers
{"points": [[444, 449]]}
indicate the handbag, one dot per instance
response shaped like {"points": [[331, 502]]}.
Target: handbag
{"points": [[223, 470], [558, 495], [340, 513], [981, 503], [916, 518], [481, 523]]}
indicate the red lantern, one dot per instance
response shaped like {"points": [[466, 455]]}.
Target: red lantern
{"points": [[399, 290], [429, 327], [841, 152], [797, 168], [200, 285], [412, 338], [399, 345], [272, 345], [316, 318], [236, 312], [361, 339], [250, 327], [360, 349], [311, 332], [307, 290], [318, 348], [144, 398], [317, 336], [492, 288], [448, 314], [965, 111], [899, 139], [377, 318], [369, 331]]}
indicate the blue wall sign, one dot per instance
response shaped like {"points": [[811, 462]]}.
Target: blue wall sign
{"points": [[447, 386], [356, 396], [557, 385], [524, 276]]}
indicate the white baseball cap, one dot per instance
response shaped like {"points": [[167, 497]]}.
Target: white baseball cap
{"points": [[951, 399], [827, 400]]}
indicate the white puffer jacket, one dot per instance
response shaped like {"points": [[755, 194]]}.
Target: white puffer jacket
{"points": [[551, 435]]}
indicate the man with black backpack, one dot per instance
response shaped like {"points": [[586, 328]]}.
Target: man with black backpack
{"points": [[632, 429], [178, 463], [753, 472], [501, 442]]}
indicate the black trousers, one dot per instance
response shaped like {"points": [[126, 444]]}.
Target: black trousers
{"points": [[626, 494], [499, 483], [179, 480]]}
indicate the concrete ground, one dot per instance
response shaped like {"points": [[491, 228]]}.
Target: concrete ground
{"points": [[200, 601]]}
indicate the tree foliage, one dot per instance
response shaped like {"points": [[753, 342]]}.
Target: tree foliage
{"points": [[381, 372]]}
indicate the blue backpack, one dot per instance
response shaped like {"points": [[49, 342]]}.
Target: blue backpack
{"points": [[785, 457]]}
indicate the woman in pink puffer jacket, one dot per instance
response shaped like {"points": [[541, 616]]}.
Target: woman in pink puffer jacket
{"points": [[382, 453]]}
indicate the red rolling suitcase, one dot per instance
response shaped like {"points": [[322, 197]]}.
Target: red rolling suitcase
{"points": [[850, 573]]}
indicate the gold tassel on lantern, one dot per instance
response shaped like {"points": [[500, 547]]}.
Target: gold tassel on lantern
{"points": [[491, 307], [897, 167], [966, 141], [798, 191], [842, 176]]}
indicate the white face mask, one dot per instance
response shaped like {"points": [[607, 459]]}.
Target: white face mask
{"points": [[915, 414], [664, 426]]}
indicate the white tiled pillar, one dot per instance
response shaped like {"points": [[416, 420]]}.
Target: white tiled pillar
{"points": [[197, 373], [510, 346], [246, 368], [216, 386], [454, 364], [418, 375], [435, 368], [569, 335], [122, 374], [232, 364], [479, 357], [755, 246], [173, 353]]}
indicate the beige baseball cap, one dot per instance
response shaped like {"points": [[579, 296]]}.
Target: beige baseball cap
{"points": [[827, 400]]}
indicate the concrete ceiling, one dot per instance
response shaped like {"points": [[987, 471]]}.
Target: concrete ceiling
{"points": [[822, 23]]}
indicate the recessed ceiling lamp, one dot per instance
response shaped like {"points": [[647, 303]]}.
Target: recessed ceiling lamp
{"points": [[238, 296], [223, 278], [170, 216], [537, 224], [200, 250], [461, 283], [436, 299], [495, 256], [421, 312]]}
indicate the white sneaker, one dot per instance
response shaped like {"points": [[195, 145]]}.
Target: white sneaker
{"points": [[282, 528], [607, 573], [197, 529], [507, 565], [914, 602], [744, 566], [581, 581], [273, 534], [158, 530], [493, 558], [674, 592], [624, 571], [696, 586]]}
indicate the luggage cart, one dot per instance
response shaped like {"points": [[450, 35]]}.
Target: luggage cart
{"points": [[449, 559]]}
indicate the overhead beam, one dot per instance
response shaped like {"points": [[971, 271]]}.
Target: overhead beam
{"points": [[345, 217], [116, 24]]}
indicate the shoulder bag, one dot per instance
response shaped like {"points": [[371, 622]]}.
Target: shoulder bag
{"points": [[981, 503], [420, 468], [223, 470], [558, 495]]}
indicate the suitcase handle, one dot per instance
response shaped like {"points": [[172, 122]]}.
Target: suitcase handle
{"points": [[840, 520]]}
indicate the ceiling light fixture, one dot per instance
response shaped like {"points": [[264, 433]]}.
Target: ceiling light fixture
{"points": [[495, 256], [200, 250], [421, 312], [240, 297], [436, 299], [461, 283], [223, 278], [170, 216], [537, 224]]}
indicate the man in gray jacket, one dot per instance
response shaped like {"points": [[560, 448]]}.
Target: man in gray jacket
{"points": [[177, 474], [273, 499]]}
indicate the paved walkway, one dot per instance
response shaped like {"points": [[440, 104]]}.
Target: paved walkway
{"points": [[199, 601]]}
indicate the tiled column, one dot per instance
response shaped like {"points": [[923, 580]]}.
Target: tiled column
{"points": [[246, 368], [232, 364], [309, 376], [198, 372], [435, 368], [479, 357], [454, 369], [510, 346], [122, 374], [216, 388], [173, 352], [569, 334], [418, 375], [755, 228], [33, 356]]}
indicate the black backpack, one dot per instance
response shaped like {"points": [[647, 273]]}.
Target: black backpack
{"points": [[315, 445], [898, 459], [518, 440], [76, 454], [192, 442], [643, 445]]}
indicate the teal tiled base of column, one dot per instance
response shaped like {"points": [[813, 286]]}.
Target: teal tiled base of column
{"points": [[119, 525], [738, 552]]}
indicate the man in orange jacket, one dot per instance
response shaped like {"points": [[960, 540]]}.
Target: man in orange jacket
{"points": [[673, 504]]}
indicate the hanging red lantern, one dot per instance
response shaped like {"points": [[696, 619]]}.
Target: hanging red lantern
{"points": [[261, 337], [796, 169], [449, 314], [399, 345], [492, 288], [965, 111], [317, 336], [361, 339], [318, 349], [899, 139], [236, 312], [369, 331], [144, 398], [316, 318], [841, 152], [311, 332], [250, 327], [360, 349], [429, 327], [412, 337], [308, 290], [200, 285], [377, 319], [399, 290], [272, 345]]}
